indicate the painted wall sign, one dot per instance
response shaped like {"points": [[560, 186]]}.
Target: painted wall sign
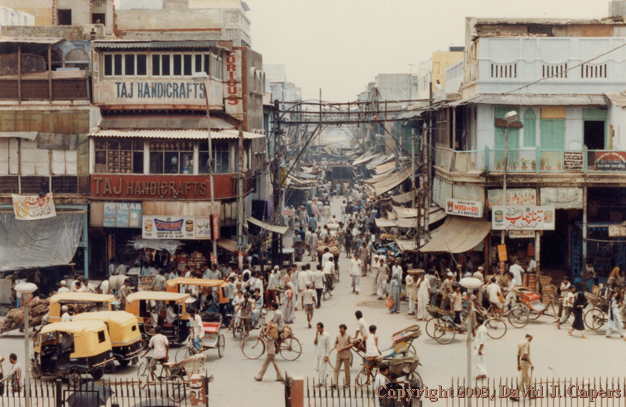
{"points": [[32, 207], [176, 227], [233, 85], [610, 161], [522, 218], [514, 197], [160, 186], [464, 208], [572, 161], [122, 215], [562, 198]]}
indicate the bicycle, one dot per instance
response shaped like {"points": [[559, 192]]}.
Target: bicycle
{"points": [[253, 347], [443, 329], [170, 373], [328, 288]]}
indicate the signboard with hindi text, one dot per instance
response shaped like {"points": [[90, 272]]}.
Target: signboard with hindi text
{"points": [[176, 227], [459, 207], [32, 207], [523, 218]]}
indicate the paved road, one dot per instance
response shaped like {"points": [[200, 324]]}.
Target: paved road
{"points": [[554, 353]]}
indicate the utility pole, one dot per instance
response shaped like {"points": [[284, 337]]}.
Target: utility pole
{"points": [[277, 238], [241, 177]]}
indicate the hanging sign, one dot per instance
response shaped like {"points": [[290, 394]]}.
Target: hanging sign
{"points": [[459, 207], [176, 227], [32, 207], [502, 252], [522, 218]]}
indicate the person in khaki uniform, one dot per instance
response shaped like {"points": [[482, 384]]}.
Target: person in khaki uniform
{"points": [[343, 343], [524, 364], [272, 334]]}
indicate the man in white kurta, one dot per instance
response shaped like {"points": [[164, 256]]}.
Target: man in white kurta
{"points": [[479, 349], [322, 350], [423, 295]]}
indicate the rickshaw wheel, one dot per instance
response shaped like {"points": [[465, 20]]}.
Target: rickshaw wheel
{"points": [[221, 344], [109, 368], [518, 317], [594, 319], [415, 380], [74, 380], [35, 372], [123, 362], [444, 332], [97, 373], [143, 372], [496, 328], [430, 327], [533, 315], [176, 390], [290, 349]]}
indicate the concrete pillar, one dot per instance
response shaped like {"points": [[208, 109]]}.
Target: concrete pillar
{"points": [[199, 391], [297, 391]]}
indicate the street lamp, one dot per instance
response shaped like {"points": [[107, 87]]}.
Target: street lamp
{"points": [[26, 289], [510, 118], [202, 77], [470, 283]]}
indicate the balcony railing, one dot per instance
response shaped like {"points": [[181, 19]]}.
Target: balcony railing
{"points": [[531, 161]]}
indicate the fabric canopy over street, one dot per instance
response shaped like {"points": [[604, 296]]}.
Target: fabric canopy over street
{"points": [[393, 181], [385, 168], [281, 230], [404, 198], [407, 245], [436, 214], [155, 244], [405, 212], [379, 160], [400, 223], [39, 243], [229, 245], [457, 235], [365, 158]]}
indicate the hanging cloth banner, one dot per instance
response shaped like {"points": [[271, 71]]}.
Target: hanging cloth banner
{"points": [[32, 207]]}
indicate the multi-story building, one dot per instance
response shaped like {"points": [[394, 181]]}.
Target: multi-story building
{"points": [[563, 79], [66, 12]]}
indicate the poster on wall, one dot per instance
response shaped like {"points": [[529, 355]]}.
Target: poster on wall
{"points": [[464, 208], [122, 215], [32, 207], [514, 197], [176, 227], [522, 218], [610, 161], [562, 198]]}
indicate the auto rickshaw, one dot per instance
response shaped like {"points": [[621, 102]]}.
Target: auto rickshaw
{"points": [[70, 349], [80, 302], [219, 302], [150, 309], [126, 339]]}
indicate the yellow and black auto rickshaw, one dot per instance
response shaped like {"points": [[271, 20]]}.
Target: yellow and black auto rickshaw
{"points": [[150, 308], [79, 302], [124, 332], [71, 349]]}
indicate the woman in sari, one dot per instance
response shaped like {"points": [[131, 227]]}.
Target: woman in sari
{"points": [[394, 293], [580, 302], [288, 304]]}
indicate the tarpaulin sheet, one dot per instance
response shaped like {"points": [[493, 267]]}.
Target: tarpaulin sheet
{"points": [[405, 212], [155, 244], [272, 228], [392, 182], [365, 158], [458, 235], [41, 243], [404, 198]]}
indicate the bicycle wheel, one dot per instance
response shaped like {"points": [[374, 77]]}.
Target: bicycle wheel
{"points": [[444, 332], [253, 347], [290, 348], [594, 319], [496, 328], [184, 352], [411, 351], [430, 327], [176, 388], [332, 358], [415, 380], [143, 371], [518, 317], [533, 315], [221, 344], [361, 377]]}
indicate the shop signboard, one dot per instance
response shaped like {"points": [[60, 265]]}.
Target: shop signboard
{"points": [[572, 161], [458, 207], [617, 231], [522, 218], [514, 197], [502, 253], [176, 227], [32, 207], [521, 234], [122, 215], [610, 161], [233, 84], [562, 198]]}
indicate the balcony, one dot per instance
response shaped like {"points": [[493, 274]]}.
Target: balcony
{"points": [[532, 162]]}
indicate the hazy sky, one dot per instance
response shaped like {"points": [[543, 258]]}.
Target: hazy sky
{"points": [[341, 45]]}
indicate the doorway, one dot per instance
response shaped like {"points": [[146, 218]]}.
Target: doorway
{"points": [[594, 135]]}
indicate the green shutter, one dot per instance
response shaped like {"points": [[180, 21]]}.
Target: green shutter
{"points": [[499, 135], [530, 128], [552, 134]]}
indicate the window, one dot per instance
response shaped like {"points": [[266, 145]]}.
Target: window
{"points": [[64, 17], [129, 64], [530, 128], [98, 18], [187, 64], [163, 65], [171, 157], [156, 65], [108, 65], [124, 156], [178, 64], [142, 64], [101, 337], [221, 157]]}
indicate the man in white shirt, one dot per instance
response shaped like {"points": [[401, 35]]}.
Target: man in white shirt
{"points": [[121, 270], [327, 256], [568, 305], [161, 347], [396, 271], [362, 329], [380, 382], [493, 290], [517, 271], [322, 350], [170, 314], [478, 274], [197, 329], [479, 346], [63, 288], [318, 282], [111, 270], [355, 273], [532, 265], [65, 317], [105, 287]]}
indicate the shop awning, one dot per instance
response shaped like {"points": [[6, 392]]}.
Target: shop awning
{"points": [[392, 182], [385, 168], [385, 223], [155, 244], [176, 134], [30, 135], [457, 235], [405, 212], [378, 160], [162, 122], [229, 245], [272, 228], [407, 245], [365, 158], [400, 223], [41, 243], [435, 215], [404, 198]]}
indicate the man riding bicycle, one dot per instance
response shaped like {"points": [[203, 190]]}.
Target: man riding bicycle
{"points": [[161, 347], [328, 274]]}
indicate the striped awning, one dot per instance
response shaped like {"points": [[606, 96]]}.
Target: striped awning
{"points": [[176, 134]]}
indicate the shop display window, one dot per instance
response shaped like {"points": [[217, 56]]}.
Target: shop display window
{"points": [[171, 157], [124, 156], [221, 157]]}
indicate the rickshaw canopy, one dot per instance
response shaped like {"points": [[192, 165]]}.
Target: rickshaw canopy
{"points": [[156, 296], [123, 326], [174, 284], [91, 338], [82, 297]]}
